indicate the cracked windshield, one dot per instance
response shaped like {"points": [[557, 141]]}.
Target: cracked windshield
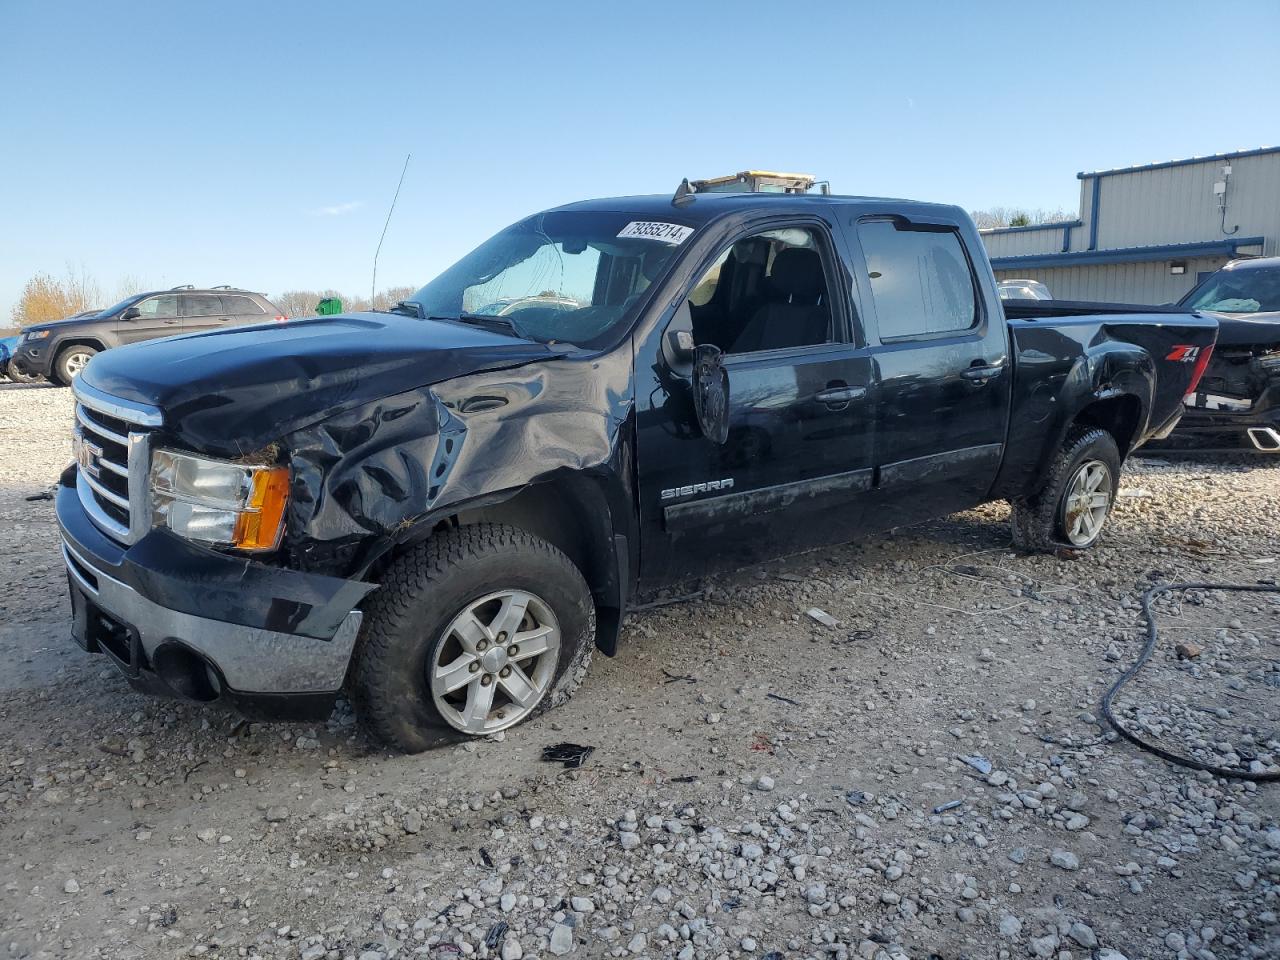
{"points": [[567, 276]]}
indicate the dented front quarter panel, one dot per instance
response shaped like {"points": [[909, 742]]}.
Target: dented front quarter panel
{"points": [[385, 471]]}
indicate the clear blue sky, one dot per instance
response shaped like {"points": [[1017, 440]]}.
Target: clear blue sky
{"points": [[258, 143]]}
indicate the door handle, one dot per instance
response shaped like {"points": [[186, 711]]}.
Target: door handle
{"points": [[834, 395], [983, 373]]}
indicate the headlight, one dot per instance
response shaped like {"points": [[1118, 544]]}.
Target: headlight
{"points": [[36, 334], [218, 502]]}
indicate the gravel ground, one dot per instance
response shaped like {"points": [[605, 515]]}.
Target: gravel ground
{"points": [[762, 785]]}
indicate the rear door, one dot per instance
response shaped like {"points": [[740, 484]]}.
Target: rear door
{"points": [[941, 352], [203, 311], [798, 455], [157, 317]]}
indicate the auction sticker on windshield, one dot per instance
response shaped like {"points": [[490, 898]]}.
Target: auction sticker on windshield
{"points": [[653, 230]]}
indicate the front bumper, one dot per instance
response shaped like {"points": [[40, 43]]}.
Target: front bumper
{"points": [[34, 359], [280, 648]]}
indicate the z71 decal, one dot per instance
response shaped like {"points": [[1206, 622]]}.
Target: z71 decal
{"points": [[1183, 352], [708, 487]]}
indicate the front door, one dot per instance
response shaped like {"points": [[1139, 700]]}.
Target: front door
{"points": [[798, 453], [157, 317], [942, 363]]}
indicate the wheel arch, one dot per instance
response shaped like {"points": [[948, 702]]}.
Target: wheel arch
{"points": [[1120, 414], [574, 512], [79, 341], [62, 346]]}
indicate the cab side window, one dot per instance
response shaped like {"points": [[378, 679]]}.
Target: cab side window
{"points": [[165, 305], [921, 280], [768, 291]]}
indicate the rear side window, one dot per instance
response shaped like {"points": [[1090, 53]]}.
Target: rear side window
{"points": [[201, 305], [920, 279], [241, 305]]}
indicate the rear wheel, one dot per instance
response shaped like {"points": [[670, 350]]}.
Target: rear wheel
{"points": [[71, 361], [1072, 508], [472, 632]]}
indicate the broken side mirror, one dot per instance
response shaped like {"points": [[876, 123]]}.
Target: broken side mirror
{"points": [[680, 346], [678, 343], [711, 392]]}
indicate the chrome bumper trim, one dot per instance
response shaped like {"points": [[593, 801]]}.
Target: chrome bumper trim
{"points": [[140, 413]]}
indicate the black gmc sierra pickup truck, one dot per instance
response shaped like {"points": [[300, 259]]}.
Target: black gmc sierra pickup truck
{"points": [[444, 508]]}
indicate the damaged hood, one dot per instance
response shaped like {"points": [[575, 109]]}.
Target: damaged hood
{"points": [[232, 391], [1247, 329]]}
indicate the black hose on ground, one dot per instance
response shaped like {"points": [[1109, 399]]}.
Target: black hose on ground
{"points": [[1152, 636]]}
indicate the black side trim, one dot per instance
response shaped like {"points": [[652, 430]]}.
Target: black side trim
{"points": [[831, 488], [936, 466]]}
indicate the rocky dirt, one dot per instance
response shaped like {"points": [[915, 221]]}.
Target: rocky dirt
{"points": [[763, 784]]}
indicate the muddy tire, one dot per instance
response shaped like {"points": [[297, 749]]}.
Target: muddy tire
{"points": [[70, 361], [471, 632], [17, 376], [1071, 509]]}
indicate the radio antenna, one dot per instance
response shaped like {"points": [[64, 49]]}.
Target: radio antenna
{"points": [[373, 285]]}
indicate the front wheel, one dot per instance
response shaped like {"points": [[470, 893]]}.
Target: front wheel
{"points": [[71, 361], [1072, 508], [471, 632]]}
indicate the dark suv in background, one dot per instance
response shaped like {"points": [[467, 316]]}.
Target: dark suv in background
{"points": [[59, 350]]}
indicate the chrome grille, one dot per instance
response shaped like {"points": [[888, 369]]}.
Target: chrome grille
{"points": [[112, 440]]}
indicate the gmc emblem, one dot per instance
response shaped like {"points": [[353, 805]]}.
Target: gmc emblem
{"points": [[87, 455]]}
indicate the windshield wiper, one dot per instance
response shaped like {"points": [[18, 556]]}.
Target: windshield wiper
{"points": [[486, 320]]}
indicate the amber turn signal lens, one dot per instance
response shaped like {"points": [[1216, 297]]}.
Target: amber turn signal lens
{"points": [[261, 524]]}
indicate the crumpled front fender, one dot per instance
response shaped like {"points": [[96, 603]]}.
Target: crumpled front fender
{"points": [[361, 478]]}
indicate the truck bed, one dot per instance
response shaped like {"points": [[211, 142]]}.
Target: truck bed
{"points": [[1138, 360]]}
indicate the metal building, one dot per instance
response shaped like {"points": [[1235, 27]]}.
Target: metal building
{"points": [[1147, 234]]}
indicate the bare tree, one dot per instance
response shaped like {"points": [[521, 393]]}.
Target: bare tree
{"points": [[1018, 217], [129, 285], [303, 303], [391, 296], [297, 303]]}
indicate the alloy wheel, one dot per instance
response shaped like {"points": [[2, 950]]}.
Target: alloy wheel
{"points": [[1087, 501], [76, 362], [495, 663]]}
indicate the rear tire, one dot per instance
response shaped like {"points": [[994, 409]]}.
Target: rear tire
{"points": [[1069, 512], [70, 362], [444, 612], [17, 376]]}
